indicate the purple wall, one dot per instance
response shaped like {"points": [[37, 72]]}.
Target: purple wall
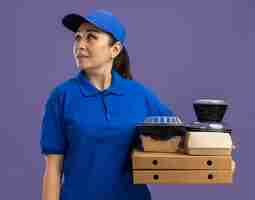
{"points": [[183, 50]]}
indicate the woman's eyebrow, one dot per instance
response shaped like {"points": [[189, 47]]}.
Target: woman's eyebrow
{"points": [[89, 30], [93, 30]]}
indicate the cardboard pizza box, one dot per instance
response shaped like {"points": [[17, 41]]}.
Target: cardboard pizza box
{"points": [[180, 161], [182, 176]]}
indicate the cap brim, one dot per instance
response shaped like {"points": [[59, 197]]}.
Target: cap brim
{"points": [[73, 21]]}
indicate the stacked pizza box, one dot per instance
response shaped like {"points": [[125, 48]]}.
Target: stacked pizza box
{"points": [[178, 160], [162, 162]]}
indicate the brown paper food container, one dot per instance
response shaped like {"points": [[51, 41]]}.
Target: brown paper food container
{"points": [[175, 144]]}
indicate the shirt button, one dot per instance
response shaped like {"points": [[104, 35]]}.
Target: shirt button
{"points": [[107, 116]]}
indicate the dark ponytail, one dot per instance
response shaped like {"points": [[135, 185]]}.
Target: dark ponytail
{"points": [[121, 63]]}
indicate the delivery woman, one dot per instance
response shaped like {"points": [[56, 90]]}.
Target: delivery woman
{"points": [[88, 127]]}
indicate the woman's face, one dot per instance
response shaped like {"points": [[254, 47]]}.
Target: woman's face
{"points": [[92, 47]]}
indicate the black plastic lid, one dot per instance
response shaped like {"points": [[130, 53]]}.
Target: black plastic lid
{"points": [[161, 127], [208, 127]]}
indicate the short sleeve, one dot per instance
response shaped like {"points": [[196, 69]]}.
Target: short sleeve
{"points": [[156, 107], [52, 139]]}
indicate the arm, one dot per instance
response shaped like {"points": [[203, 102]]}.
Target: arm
{"points": [[155, 106], [53, 145], [52, 177]]}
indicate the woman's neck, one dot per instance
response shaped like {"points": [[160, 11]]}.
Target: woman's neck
{"points": [[100, 77]]}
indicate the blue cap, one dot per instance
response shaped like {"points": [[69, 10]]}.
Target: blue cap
{"points": [[102, 19]]}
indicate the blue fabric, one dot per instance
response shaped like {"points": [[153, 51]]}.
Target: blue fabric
{"points": [[106, 21], [95, 130]]}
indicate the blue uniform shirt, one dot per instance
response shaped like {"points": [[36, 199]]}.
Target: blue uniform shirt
{"points": [[95, 130]]}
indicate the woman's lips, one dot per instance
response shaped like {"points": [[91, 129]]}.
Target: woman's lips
{"points": [[82, 55]]}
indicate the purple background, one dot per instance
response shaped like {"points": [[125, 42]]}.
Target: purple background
{"points": [[183, 50]]}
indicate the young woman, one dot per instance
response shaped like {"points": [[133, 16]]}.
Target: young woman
{"points": [[88, 128]]}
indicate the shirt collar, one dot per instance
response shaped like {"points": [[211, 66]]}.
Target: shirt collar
{"points": [[88, 89]]}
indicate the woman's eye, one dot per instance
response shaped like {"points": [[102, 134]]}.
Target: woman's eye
{"points": [[91, 36], [77, 37], [88, 37]]}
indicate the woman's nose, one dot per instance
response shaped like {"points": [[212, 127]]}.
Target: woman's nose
{"points": [[82, 44]]}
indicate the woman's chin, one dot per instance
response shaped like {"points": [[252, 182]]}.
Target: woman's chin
{"points": [[86, 67]]}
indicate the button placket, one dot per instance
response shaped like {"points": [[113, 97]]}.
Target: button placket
{"points": [[106, 112]]}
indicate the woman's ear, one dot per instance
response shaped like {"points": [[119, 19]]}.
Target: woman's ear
{"points": [[116, 49]]}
